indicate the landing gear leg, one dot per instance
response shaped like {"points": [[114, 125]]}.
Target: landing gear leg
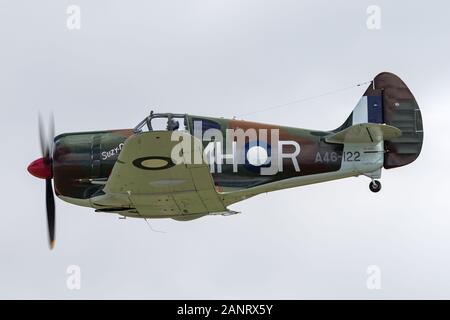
{"points": [[375, 186]]}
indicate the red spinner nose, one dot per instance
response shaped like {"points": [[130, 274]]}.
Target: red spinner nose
{"points": [[41, 168]]}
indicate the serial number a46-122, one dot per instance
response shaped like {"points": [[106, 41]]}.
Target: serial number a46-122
{"points": [[327, 157]]}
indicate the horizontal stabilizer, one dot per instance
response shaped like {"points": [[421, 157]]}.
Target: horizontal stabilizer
{"points": [[365, 133]]}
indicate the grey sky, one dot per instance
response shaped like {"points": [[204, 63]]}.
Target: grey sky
{"points": [[225, 58]]}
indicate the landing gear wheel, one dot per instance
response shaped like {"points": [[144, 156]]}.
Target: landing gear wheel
{"points": [[375, 186]]}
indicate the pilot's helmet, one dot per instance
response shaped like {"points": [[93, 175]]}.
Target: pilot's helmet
{"points": [[172, 125]]}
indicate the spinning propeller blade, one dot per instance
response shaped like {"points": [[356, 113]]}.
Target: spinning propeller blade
{"points": [[43, 168]]}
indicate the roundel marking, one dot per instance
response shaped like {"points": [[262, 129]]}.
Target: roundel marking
{"points": [[257, 156], [153, 163]]}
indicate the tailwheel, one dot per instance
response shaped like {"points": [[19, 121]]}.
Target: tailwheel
{"points": [[375, 186]]}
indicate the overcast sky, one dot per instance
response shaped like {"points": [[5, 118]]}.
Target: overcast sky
{"points": [[225, 58]]}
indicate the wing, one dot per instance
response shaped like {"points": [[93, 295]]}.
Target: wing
{"points": [[145, 176]]}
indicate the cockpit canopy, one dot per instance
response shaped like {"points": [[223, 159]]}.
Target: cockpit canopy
{"points": [[163, 121]]}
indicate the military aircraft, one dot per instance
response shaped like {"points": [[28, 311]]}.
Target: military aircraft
{"points": [[194, 166]]}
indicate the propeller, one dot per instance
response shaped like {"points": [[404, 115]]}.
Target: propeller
{"points": [[43, 168]]}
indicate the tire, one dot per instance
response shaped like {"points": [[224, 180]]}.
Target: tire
{"points": [[375, 186]]}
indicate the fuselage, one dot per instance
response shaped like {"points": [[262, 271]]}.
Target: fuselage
{"points": [[82, 162]]}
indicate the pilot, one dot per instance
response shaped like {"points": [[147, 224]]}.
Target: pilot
{"points": [[172, 125]]}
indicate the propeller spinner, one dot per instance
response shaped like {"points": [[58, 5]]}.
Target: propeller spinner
{"points": [[43, 168]]}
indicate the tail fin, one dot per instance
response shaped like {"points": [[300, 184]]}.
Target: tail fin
{"points": [[389, 101]]}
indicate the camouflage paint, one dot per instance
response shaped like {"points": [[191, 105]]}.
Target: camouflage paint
{"points": [[78, 161], [311, 142]]}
